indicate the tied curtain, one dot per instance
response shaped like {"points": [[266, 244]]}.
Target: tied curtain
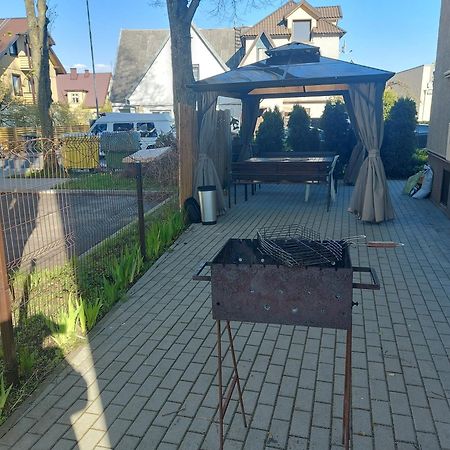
{"points": [[250, 112], [370, 200], [205, 172]]}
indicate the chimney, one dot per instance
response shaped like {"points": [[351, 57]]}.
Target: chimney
{"points": [[86, 73], [73, 73]]}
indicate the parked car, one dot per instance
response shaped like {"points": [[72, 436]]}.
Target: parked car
{"points": [[421, 133], [149, 126]]}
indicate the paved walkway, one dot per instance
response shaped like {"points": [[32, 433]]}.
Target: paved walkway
{"points": [[146, 379]]}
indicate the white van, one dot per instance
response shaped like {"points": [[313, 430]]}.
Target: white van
{"points": [[149, 126]]}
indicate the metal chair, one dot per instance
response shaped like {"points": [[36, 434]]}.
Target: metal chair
{"points": [[330, 180]]}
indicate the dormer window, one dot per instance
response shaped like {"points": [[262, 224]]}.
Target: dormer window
{"points": [[301, 31], [13, 50]]}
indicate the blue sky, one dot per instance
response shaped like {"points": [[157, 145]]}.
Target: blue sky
{"points": [[388, 34]]}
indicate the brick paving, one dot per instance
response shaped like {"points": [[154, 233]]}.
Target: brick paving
{"points": [[146, 379]]}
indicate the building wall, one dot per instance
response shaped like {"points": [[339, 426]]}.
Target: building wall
{"points": [[440, 109], [416, 83], [424, 110], [439, 135], [154, 92], [21, 65], [329, 45]]}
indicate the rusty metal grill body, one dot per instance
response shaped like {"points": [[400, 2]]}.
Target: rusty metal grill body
{"points": [[248, 285], [251, 287]]}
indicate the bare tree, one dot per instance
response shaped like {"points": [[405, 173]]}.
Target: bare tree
{"points": [[38, 21], [181, 14]]}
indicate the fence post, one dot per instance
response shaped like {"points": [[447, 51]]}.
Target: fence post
{"points": [[140, 204], [6, 325]]}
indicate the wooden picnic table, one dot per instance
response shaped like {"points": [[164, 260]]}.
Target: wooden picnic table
{"points": [[307, 169]]}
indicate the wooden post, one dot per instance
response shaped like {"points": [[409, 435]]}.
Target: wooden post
{"points": [[187, 150], [6, 326]]}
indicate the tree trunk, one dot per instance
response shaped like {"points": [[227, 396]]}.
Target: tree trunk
{"points": [[38, 34], [180, 19]]}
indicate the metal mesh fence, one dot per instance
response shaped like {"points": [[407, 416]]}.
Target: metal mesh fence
{"points": [[70, 205]]}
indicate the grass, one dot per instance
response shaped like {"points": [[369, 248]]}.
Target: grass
{"points": [[105, 181], [55, 308], [100, 181]]}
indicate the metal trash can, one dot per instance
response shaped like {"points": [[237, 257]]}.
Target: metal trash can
{"points": [[208, 204]]}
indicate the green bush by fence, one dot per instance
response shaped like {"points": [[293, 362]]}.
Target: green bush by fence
{"points": [[86, 288]]}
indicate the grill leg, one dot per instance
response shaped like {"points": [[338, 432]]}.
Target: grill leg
{"points": [[246, 195], [219, 375], [233, 356], [347, 391]]}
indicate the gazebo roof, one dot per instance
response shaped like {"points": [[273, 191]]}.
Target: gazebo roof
{"points": [[294, 69]]}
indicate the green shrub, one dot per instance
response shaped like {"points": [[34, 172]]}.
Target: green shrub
{"points": [[299, 135], [338, 133], [4, 392], [389, 99], [420, 158], [270, 134], [27, 361], [337, 130], [399, 142]]}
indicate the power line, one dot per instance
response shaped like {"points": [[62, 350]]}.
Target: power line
{"points": [[92, 57]]}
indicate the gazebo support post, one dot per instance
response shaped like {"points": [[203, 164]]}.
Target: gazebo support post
{"points": [[187, 150]]}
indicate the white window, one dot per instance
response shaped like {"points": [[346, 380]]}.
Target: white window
{"points": [[75, 97], [301, 31], [146, 129], [17, 85], [123, 126], [196, 71]]}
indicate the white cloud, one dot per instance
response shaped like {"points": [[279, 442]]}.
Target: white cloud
{"points": [[103, 67], [79, 66]]}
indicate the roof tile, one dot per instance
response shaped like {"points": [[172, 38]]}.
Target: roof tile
{"points": [[274, 24]]}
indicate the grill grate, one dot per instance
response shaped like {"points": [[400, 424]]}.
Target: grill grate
{"points": [[297, 245]]}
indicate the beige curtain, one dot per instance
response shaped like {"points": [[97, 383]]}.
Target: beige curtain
{"points": [[354, 164], [359, 152], [205, 173], [370, 200], [250, 112]]}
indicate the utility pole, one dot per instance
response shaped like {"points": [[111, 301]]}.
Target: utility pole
{"points": [[92, 57]]}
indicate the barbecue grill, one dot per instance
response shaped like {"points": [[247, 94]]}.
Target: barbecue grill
{"points": [[285, 276]]}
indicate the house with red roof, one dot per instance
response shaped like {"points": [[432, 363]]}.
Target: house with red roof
{"points": [[295, 22], [142, 80], [78, 91], [15, 62]]}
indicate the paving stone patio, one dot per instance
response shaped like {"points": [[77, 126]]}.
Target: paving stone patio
{"points": [[146, 379]]}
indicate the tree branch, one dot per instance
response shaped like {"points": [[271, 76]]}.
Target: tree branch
{"points": [[30, 11], [192, 8]]}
